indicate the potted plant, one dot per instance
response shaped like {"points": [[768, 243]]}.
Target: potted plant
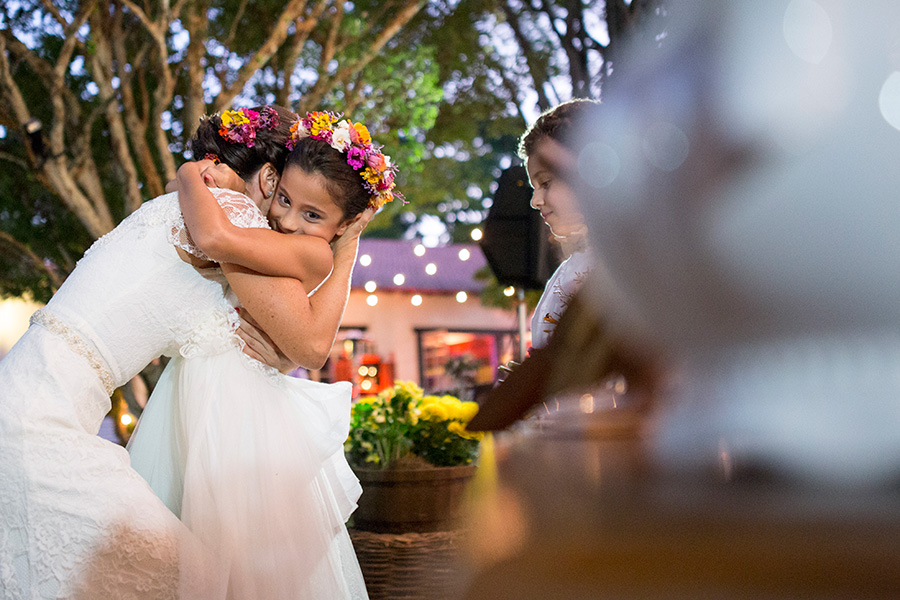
{"points": [[413, 456]]}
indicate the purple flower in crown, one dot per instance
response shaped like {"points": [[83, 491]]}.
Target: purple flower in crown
{"points": [[356, 157], [268, 119]]}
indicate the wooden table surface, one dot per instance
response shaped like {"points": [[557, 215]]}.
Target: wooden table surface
{"points": [[581, 512]]}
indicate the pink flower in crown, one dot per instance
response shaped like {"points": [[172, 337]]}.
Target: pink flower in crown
{"points": [[387, 181], [356, 157], [376, 161]]}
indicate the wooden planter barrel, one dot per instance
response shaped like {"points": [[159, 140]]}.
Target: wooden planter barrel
{"points": [[411, 500]]}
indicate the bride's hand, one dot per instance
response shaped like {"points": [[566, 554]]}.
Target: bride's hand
{"points": [[258, 344]]}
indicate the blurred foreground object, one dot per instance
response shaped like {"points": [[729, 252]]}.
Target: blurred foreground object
{"points": [[579, 358], [584, 516], [741, 187], [741, 191]]}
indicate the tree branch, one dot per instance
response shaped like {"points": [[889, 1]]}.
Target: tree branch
{"points": [[349, 71], [229, 39], [536, 69], [302, 31], [164, 91], [33, 259], [136, 125], [197, 23], [291, 12], [101, 63]]}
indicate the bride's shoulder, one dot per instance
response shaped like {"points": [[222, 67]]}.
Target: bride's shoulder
{"points": [[240, 209]]}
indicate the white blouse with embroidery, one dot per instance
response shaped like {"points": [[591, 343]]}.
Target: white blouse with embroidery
{"points": [[559, 291]]}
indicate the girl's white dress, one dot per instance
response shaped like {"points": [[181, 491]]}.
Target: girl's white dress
{"points": [[76, 521], [252, 461]]}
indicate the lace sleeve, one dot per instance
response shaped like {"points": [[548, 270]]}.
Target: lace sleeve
{"points": [[239, 209]]}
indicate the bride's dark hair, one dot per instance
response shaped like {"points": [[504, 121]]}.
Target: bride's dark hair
{"points": [[269, 146], [342, 181]]}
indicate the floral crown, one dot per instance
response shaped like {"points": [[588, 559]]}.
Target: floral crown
{"points": [[373, 166], [240, 126]]}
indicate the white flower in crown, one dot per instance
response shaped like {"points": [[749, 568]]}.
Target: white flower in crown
{"points": [[340, 139], [387, 162], [298, 132]]}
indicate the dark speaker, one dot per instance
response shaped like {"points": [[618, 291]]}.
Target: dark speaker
{"points": [[516, 241]]}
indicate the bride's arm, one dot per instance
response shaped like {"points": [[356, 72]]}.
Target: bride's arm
{"points": [[303, 327], [303, 257]]}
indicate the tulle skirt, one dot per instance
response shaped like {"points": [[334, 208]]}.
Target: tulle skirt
{"points": [[252, 461]]}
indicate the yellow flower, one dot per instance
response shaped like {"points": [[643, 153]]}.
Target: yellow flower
{"points": [[371, 176], [407, 387], [457, 428], [460, 430], [233, 117], [321, 121], [434, 412], [467, 411], [363, 133]]}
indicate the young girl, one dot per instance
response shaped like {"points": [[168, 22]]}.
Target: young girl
{"points": [[548, 159], [255, 464]]}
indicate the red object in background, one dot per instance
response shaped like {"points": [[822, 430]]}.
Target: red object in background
{"points": [[374, 375], [343, 370]]}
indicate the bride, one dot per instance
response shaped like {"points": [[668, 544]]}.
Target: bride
{"points": [[76, 521]]}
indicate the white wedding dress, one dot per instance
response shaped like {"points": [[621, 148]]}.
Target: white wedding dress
{"points": [[76, 521], [253, 463]]}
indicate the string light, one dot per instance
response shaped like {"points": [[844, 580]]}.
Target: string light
{"points": [[431, 268], [371, 286], [476, 234], [464, 254], [372, 300], [126, 419], [419, 250], [461, 297], [509, 291], [365, 260], [399, 279], [416, 300]]}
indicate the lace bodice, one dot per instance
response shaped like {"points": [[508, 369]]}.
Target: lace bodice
{"points": [[560, 290], [132, 298]]}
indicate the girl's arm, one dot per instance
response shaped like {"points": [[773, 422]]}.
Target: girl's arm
{"points": [[303, 257], [303, 327]]}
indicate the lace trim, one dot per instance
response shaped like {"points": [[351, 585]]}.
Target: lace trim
{"points": [[240, 210], [275, 376], [57, 327]]}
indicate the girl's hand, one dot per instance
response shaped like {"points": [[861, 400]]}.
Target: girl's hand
{"points": [[349, 240], [258, 344]]}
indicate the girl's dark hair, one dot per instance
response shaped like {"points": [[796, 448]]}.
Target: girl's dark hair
{"points": [[558, 123], [342, 181], [268, 147]]}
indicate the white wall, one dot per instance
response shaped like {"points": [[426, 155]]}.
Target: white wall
{"points": [[14, 315]]}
